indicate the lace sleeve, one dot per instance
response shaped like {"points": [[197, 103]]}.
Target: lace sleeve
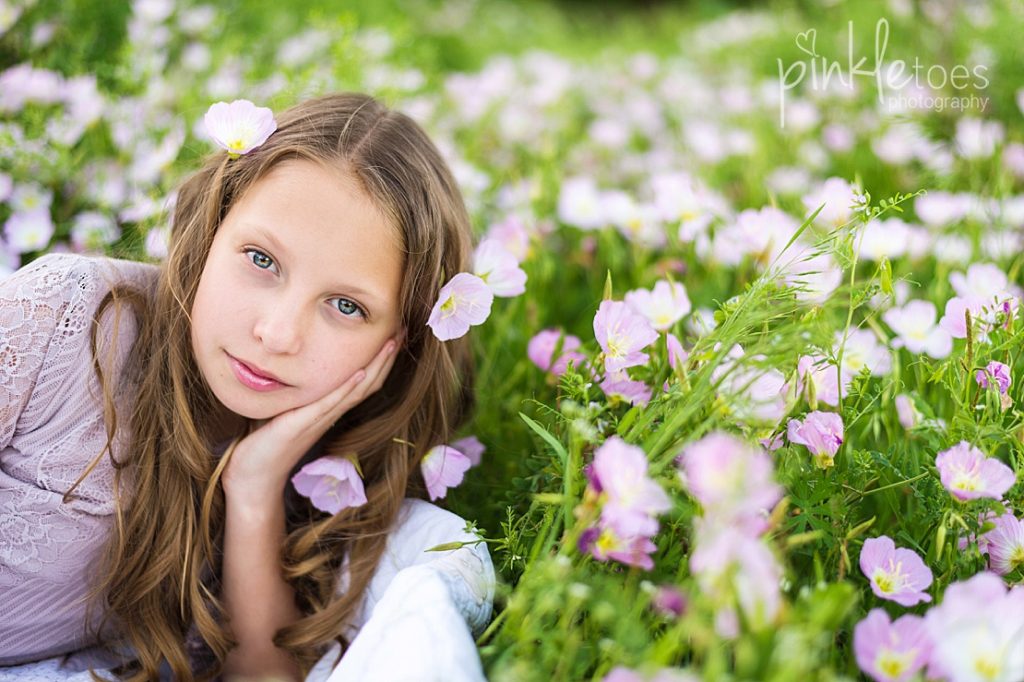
{"points": [[34, 302], [422, 609]]}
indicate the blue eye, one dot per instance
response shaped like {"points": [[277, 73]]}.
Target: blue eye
{"points": [[346, 307], [260, 256]]}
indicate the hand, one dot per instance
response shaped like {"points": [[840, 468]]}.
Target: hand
{"points": [[260, 463]]}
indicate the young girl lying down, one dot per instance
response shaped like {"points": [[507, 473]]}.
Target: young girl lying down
{"points": [[210, 467]]}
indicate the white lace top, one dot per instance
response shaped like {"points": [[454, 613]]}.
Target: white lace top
{"points": [[51, 426]]}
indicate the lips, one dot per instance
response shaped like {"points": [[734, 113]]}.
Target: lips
{"points": [[259, 372]]}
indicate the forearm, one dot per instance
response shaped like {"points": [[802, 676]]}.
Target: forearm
{"points": [[257, 598]]}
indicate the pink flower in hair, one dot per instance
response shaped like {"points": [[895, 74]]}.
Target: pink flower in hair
{"points": [[239, 127], [331, 484]]}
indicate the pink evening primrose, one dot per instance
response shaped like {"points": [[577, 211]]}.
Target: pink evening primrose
{"points": [[994, 373], [906, 411], [331, 484], [541, 351], [829, 384], [677, 355], [443, 467], [618, 385], [890, 651], [663, 306], [917, 331], [977, 630], [239, 127], [896, 574], [1005, 544], [632, 500], [622, 333], [471, 447], [603, 543], [463, 302], [821, 432], [967, 473], [731, 479], [498, 268]]}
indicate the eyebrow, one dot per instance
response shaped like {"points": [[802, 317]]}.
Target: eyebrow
{"points": [[280, 248]]}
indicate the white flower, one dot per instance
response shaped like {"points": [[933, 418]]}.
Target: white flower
{"points": [[917, 330], [239, 127]]}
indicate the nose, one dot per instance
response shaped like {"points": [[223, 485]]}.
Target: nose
{"points": [[281, 326]]}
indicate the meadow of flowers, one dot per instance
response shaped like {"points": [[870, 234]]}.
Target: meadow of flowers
{"points": [[746, 310]]}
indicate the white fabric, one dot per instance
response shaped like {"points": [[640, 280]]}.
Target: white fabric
{"points": [[418, 617]]}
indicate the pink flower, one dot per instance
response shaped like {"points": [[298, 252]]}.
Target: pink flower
{"points": [[463, 302], [622, 333], [826, 380], [471, 447], [541, 350], [239, 127], [619, 385], [725, 552], [891, 651], [967, 473], [1006, 544], [915, 327], [977, 630], [821, 432], [862, 349], [663, 307], [579, 204], [443, 467], [954, 319], [906, 412], [896, 574], [838, 197], [669, 601], [603, 543], [731, 479], [632, 499], [498, 268], [998, 373], [331, 484], [676, 353], [29, 230]]}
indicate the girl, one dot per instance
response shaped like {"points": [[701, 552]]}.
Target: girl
{"points": [[153, 421]]}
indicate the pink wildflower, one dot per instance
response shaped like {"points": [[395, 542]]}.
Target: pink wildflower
{"points": [[994, 372], [541, 350], [461, 303], [498, 268], [632, 499], [443, 467], [1005, 544], [821, 432], [663, 306], [239, 127], [730, 478], [471, 447], [896, 574], [967, 473], [915, 327], [331, 484], [891, 651], [622, 333]]}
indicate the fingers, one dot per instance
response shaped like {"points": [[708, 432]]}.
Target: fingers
{"points": [[365, 381]]}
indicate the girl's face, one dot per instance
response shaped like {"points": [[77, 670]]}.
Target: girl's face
{"points": [[301, 283]]}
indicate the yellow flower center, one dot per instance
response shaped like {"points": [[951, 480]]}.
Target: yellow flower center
{"points": [[892, 664], [987, 668], [236, 145]]}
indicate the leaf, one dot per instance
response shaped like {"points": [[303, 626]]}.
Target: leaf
{"points": [[551, 440]]}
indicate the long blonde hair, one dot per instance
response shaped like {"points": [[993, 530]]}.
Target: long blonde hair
{"points": [[159, 571]]}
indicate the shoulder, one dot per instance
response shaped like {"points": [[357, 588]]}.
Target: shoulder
{"points": [[71, 276]]}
